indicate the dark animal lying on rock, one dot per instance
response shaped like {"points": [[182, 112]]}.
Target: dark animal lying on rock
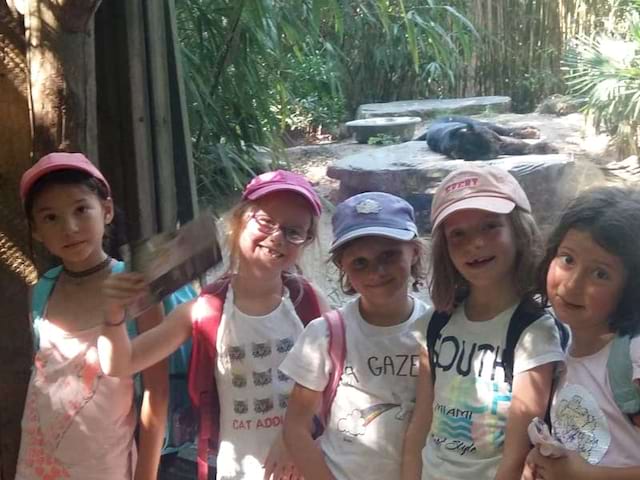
{"points": [[469, 139]]}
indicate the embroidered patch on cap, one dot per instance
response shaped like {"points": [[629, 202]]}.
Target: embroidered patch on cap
{"points": [[368, 206]]}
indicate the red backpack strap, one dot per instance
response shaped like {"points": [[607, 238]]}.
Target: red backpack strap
{"points": [[205, 321], [337, 354], [303, 296]]}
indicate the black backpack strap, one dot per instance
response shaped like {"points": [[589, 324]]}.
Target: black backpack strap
{"points": [[524, 315], [436, 324]]}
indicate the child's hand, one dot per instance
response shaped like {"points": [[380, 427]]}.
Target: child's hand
{"points": [[529, 472], [120, 290], [279, 465], [572, 466]]}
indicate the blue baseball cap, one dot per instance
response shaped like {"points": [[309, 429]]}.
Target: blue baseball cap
{"points": [[375, 214]]}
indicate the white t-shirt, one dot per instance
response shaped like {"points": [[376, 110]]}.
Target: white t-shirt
{"points": [[585, 416], [253, 393], [471, 397], [376, 395]]}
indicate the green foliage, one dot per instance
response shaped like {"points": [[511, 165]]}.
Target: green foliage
{"points": [[257, 69], [400, 50], [605, 69], [383, 139]]}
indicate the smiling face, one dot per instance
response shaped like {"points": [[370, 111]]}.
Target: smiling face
{"points": [[585, 283], [482, 247], [379, 268], [272, 252], [69, 219]]}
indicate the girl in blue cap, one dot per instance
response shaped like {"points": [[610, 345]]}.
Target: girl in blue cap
{"points": [[377, 252]]}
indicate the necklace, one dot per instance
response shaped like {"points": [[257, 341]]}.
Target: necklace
{"points": [[89, 271]]}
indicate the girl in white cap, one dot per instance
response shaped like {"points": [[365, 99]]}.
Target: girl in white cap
{"points": [[491, 347], [241, 326], [79, 424], [366, 408]]}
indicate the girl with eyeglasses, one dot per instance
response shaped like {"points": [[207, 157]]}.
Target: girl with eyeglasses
{"points": [[268, 231]]}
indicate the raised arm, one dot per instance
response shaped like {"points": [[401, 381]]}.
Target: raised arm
{"points": [[121, 357], [420, 424], [298, 424]]}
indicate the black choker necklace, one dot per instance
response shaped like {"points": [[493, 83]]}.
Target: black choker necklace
{"points": [[88, 271]]}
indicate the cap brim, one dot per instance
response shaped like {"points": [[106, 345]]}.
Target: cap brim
{"points": [[488, 204], [25, 186], [394, 233], [262, 191]]}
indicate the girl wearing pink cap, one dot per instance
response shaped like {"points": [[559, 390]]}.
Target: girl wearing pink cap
{"points": [[491, 347], [79, 424], [254, 316]]}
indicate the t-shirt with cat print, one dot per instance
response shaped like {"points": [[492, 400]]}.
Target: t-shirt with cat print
{"points": [[253, 393]]}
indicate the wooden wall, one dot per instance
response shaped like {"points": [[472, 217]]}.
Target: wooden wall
{"points": [[16, 271]]}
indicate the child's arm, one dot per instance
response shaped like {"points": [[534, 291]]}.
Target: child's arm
{"points": [[530, 396], [153, 413], [574, 467], [121, 357], [298, 424], [420, 424]]}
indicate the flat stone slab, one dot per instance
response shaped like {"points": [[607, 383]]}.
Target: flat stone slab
{"points": [[412, 171], [432, 108], [401, 127]]}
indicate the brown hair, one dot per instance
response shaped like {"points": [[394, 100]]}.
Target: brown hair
{"points": [[236, 222], [418, 269], [448, 287]]}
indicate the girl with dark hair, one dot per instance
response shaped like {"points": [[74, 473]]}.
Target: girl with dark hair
{"points": [[78, 423], [591, 278]]}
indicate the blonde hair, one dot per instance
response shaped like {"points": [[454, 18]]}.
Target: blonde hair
{"points": [[448, 287], [236, 221], [418, 269]]}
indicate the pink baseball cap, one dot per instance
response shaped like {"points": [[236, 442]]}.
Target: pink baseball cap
{"points": [[282, 180], [59, 161], [481, 188]]}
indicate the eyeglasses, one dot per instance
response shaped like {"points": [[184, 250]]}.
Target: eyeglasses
{"points": [[294, 235]]}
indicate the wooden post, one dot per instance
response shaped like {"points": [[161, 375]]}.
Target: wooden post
{"points": [[182, 154], [161, 115], [16, 270], [62, 75]]}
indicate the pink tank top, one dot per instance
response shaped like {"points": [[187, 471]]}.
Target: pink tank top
{"points": [[78, 423]]}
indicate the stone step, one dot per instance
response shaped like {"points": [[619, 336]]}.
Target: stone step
{"points": [[435, 107]]}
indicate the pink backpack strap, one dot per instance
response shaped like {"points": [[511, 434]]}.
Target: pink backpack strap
{"points": [[203, 391], [337, 354]]}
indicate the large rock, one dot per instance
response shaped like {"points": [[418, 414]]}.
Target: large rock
{"points": [[412, 171], [432, 108]]}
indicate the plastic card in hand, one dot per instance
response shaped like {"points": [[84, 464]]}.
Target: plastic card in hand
{"points": [[171, 260]]}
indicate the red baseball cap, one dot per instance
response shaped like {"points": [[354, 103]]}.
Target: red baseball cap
{"points": [[282, 180], [59, 161]]}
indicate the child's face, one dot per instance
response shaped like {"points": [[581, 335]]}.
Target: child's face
{"points": [[482, 246], [272, 251], [70, 220], [379, 268], [585, 283]]}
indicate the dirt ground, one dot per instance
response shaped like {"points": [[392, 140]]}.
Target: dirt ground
{"points": [[591, 152]]}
